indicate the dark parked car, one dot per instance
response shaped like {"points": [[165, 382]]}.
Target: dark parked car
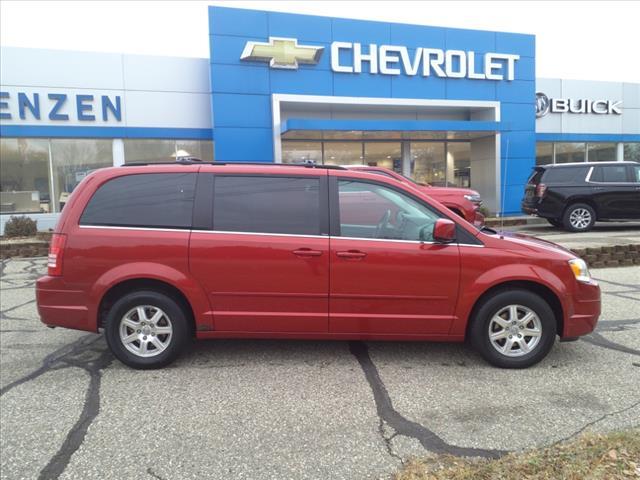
{"points": [[576, 195]]}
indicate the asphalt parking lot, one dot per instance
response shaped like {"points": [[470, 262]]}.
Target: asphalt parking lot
{"points": [[295, 409]]}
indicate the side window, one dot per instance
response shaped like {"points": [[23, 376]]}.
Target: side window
{"points": [[370, 210], [266, 204], [635, 173], [610, 174], [565, 175], [161, 200]]}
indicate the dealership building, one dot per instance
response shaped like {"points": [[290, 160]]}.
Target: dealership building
{"points": [[445, 106]]}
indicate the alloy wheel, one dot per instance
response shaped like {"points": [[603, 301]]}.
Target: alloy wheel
{"points": [[580, 218], [515, 330], [146, 331]]}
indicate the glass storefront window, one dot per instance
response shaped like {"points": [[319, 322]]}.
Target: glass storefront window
{"points": [[296, 152], [202, 149], [382, 135], [343, 153], [74, 159], [570, 152], [602, 152], [302, 135], [164, 150], [342, 135], [152, 150], [384, 154], [632, 152], [544, 153], [24, 176], [459, 164], [428, 163]]}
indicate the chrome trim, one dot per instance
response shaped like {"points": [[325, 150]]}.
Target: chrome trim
{"points": [[588, 177], [385, 240], [264, 234], [470, 245], [153, 229]]}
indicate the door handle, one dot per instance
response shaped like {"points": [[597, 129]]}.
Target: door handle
{"points": [[351, 254], [598, 188], [307, 252]]}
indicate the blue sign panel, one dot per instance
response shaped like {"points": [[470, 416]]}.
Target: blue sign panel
{"points": [[255, 54]]}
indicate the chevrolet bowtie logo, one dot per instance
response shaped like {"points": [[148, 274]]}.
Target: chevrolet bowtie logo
{"points": [[281, 53]]}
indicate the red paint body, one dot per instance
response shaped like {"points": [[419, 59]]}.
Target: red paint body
{"points": [[451, 197], [297, 286]]}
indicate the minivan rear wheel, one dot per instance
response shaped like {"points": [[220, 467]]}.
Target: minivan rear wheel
{"points": [[513, 329], [579, 217], [146, 329]]}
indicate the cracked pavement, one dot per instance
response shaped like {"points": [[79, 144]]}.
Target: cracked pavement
{"points": [[295, 409]]}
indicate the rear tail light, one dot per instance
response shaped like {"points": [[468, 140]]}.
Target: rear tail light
{"points": [[56, 254], [540, 189]]}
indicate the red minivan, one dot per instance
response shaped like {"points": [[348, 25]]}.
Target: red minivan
{"points": [[158, 254]]}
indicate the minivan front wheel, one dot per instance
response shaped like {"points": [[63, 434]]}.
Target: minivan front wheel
{"points": [[146, 329], [513, 329], [579, 217]]}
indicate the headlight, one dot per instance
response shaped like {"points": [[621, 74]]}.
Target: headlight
{"points": [[475, 198], [580, 270]]}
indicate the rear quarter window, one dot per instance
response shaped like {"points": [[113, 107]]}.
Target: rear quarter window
{"points": [[610, 174], [536, 175], [565, 176], [160, 200]]}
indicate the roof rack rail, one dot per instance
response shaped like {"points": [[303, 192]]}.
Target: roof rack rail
{"points": [[178, 160], [272, 164], [195, 161]]}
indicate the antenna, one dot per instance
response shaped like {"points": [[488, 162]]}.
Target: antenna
{"points": [[504, 188]]}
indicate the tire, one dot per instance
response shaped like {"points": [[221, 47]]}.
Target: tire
{"points": [[556, 222], [500, 305], [155, 349], [579, 217]]}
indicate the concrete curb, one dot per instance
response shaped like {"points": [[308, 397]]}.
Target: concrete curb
{"points": [[494, 222], [33, 248]]}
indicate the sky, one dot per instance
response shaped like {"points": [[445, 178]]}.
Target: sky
{"points": [[574, 40]]}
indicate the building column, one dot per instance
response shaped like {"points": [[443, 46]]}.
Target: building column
{"points": [[406, 158], [485, 171], [118, 152], [620, 152]]}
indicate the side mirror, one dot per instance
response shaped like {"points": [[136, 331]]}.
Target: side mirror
{"points": [[444, 231]]}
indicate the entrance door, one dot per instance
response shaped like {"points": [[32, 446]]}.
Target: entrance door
{"points": [[387, 274], [265, 264]]}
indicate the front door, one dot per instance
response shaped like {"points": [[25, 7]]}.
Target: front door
{"points": [[387, 274], [265, 263]]}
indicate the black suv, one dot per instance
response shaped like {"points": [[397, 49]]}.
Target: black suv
{"points": [[576, 195]]}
